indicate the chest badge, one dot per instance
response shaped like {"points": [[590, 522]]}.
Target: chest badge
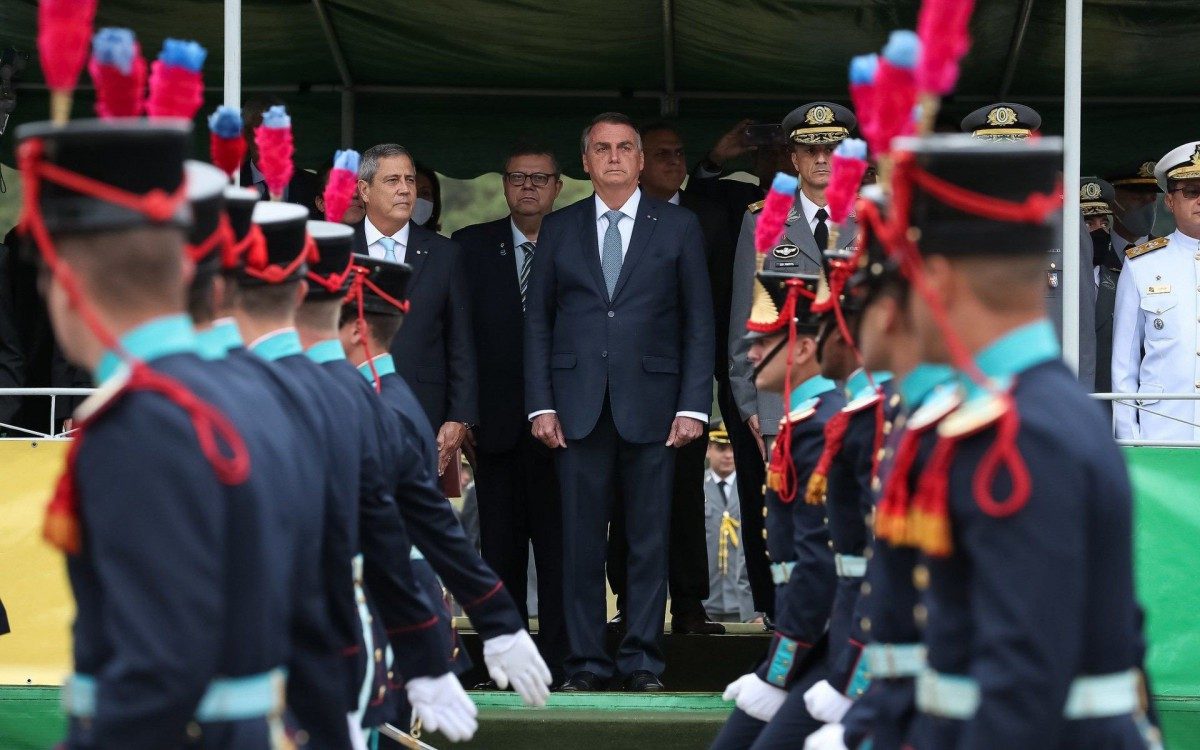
{"points": [[785, 251], [1158, 289], [1158, 324]]}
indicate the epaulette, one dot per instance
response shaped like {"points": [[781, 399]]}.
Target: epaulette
{"points": [[801, 412], [1147, 247], [973, 416], [756, 206], [944, 399], [862, 403]]}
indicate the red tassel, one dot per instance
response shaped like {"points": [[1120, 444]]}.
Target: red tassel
{"points": [[275, 150], [61, 526], [174, 91], [1003, 453], [227, 153], [891, 515], [339, 192], [835, 434], [117, 94], [929, 519]]}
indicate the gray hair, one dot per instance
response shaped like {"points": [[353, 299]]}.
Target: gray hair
{"points": [[610, 118], [368, 165]]}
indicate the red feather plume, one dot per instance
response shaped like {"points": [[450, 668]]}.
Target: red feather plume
{"points": [[174, 91], [64, 36], [117, 94], [275, 150], [942, 28], [227, 153]]}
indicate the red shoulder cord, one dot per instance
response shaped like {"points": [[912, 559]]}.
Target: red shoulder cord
{"points": [[236, 252], [334, 282], [221, 237], [355, 295], [781, 471], [219, 440], [272, 273], [928, 522]]}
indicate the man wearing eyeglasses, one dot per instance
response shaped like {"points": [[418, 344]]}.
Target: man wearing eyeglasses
{"points": [[515, 482], [1156, 337]]}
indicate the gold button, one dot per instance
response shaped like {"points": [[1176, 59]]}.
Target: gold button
{"points": [[378, 654], [382, 692], [868, 553], [764, 511], [921, 577], [865, 624], [825, 519], [879, 455], [876, 484], [391, 675], [865, 589], [830, 543], [895, 401], [193, 730], [920, 615], [764, 533], [887, 428]]}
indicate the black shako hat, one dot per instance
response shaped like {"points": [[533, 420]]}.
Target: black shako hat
{"points": [[329, 277], [391, 278], [284, 254], [766, 315]]}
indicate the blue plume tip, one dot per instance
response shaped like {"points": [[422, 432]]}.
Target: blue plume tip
{"points": [[183, 53], [784, 183], [277, 117], [902, 49], [115, 47], [226, 122], [852, 148], [347, 160], [863, 68]]}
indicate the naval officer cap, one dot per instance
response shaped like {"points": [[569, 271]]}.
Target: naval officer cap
{"points": [[1096, 197], [819, 122], [1180, 163], [1002, 121]]}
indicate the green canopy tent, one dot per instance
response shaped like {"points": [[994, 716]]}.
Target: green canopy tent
{"points": [[458, 80]]}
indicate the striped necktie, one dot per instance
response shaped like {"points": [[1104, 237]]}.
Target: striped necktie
{"points": [[527, 249], [389, 248]]}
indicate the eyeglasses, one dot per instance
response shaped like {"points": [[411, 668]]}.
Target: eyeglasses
{"points": [[539, 179], [1191, 192]]}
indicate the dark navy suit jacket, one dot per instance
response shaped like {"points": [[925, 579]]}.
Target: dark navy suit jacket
{"points": [[649, 348]]}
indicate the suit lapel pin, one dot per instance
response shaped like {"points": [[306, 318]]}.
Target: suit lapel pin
{"points": [[503, 249]]}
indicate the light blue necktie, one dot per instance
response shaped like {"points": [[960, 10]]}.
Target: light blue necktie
{"points": [[611, 257], [389, 248]]}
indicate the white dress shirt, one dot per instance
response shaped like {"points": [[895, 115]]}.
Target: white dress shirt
{"points": [[674, 200], [729, 480], [376, 250], [810, 211], [519, 239], [625, 227]]}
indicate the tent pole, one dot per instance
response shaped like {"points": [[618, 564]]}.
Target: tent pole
{"points": [[347, 118], [669, 103], [233, 59], [1072, 134]]}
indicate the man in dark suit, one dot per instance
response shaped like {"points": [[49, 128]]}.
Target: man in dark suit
{"points": [[618, 360], [434, 351], [303, 188], [662, 178], [515, 481]]}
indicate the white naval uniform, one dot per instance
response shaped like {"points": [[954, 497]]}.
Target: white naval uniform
{"points": [[1158, 301]]}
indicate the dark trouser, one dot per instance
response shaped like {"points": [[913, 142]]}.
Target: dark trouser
{"points": [[688, 553], [792, 723], [517, 494], [590, 471], [244, 734], [751, 473]]}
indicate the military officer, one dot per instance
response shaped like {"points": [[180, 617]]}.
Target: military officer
{"points": [[1135, 195], [1005, 122], [1096, 198], [881, 674], [268, 288], [813, 131], [179, 555], [1024, 510], [1156, 339], [509, 652], [797, 535], [729, 599]]}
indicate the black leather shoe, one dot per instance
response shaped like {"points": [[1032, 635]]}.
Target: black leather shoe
{"points": [[583, 682], [617, 623], [488, 685], [642, 681], [768, 624], [695, 624]]}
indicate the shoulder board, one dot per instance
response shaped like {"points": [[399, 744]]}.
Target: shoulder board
{"points": [[943, 400], [103, 396], [756, 206], [1146, 247], [973, 416], [862, 403], [801, 412]]}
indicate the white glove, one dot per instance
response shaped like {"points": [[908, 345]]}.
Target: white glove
{"points": [[443, 706], [513, 658], [755, 696], [828, 737], [826, 704]]}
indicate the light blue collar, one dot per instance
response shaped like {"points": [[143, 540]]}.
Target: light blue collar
{"points": [[1017, 351], [329, 350], [384, 365], [160, 337], [278, 345], [858, 384], [918, 384], [217, 341], [814, 386]]}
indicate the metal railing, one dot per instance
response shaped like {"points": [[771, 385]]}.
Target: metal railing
{"points": [[53, 394], [1137, 401]]}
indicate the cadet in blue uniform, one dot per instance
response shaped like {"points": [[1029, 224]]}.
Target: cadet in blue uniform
{"points": [[509, 652], [180, 557], [842, 478], [797, 535], [267, 289], [880, 677], [1024, 514]]}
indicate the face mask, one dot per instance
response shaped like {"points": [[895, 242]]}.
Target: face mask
{"points": [[421, 212], [1138, 220], [1102, 250]]}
